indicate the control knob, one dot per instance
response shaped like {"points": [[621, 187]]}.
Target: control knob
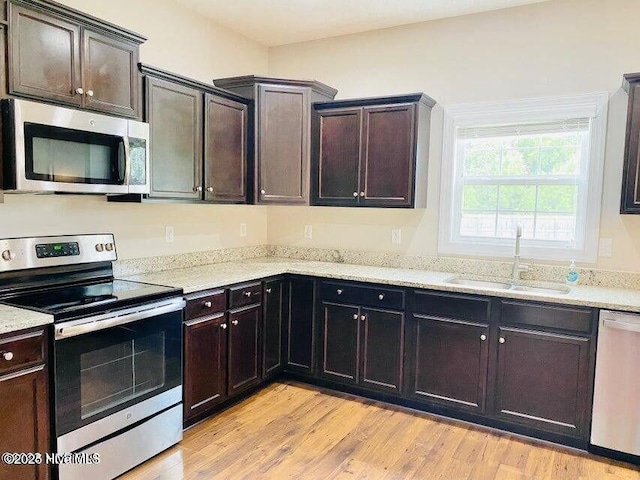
{"points": [[108, 247], [8, 255], [99, 247]]}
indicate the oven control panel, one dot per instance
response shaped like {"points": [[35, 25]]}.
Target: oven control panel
{"points": [[49, 250]]}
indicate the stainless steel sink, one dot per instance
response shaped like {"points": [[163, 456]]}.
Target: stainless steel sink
{"points": [[479, 283], [471, 282]]}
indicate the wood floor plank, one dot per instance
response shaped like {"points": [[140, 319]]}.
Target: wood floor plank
{"points": [[293, 431]]}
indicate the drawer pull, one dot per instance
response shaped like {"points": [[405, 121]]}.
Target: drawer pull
{"points": [[268, 290], [223, 326], [355, 194], [483, 337], [208, 304], [90, 93], [363, 318], [381, 296], [339, 291], [502, 340], [247, 294], [355, 316], [8, 356], [234, 322]]}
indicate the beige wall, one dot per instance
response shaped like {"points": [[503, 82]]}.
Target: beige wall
{"points": [[553, 48], [182, 42]]}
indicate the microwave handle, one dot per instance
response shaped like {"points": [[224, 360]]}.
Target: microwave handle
{"points": [[127, 160]]}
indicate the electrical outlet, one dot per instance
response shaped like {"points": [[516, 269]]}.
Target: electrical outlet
{"points": [[605, 246], [168, 234], [396, 236], [243, 229], [308, 231]]}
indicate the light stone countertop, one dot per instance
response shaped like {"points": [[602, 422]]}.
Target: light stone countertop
{"points": [[13, 319], [212, 276]]}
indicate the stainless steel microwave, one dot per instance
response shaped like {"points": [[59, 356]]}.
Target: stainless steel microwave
{"points": [[47, 148]]}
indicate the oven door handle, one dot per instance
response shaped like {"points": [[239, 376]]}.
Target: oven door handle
{"points": [[100, 322]]}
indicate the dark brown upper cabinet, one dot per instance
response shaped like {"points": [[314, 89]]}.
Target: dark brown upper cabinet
{"points": [[199, 140], [630, 201], [282, 134], [64, 56], [371, 152]]}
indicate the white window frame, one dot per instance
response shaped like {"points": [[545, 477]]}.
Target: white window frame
{"points": [[533, 110]]}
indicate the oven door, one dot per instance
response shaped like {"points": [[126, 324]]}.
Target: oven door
{"points": [[115, 371]]}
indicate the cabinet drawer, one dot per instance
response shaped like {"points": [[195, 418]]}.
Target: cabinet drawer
{"points": [[460, 307], [209, 303], [367, 296], [245, 295], [578, 320], [20, 351]]}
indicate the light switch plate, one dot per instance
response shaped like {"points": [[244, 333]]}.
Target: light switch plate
{"points": [[396, 236], [605, 247], [308, 231], [168, 234], [243, 229]]}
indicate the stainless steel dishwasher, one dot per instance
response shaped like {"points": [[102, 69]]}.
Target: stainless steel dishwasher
{"points": [[616, 400]]}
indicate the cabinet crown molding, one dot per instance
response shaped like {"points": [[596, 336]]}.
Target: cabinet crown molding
{"points": [[373, 101], [248, 80]]}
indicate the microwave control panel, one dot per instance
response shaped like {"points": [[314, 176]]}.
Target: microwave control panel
{"points": [[50, 250]]}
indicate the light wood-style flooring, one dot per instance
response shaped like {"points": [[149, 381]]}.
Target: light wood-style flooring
{"points": [[291, 431]]}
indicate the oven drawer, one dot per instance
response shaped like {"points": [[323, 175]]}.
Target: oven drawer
{"points": [[21, 351], [245, 295], [208, 304]]}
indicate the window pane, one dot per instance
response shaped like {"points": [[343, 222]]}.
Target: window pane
{"points": [[520, 198], [521, 162], [556, 227], [478, 225], [560, 160], [479, 197], [557, 198], [508, 223], [481, 162]]}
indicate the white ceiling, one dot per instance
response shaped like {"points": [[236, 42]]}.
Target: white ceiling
{"points": [[279, 22]]}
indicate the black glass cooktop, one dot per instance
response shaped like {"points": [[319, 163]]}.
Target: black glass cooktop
{"points": [[90, 299]]}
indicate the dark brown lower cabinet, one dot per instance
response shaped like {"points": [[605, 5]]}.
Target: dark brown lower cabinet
{"points": [[273, 300], [340, 342], [300, 314], [543, 380], [205, 363], [24, 412], [244, 332], [449, 362]]}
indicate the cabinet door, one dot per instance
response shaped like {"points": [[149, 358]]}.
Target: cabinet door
{"points": [[110, 74], [174, 113], [272, 328], [44, 56], [630, 182], [543, 380], [283, 144], [382, 349], [448, 362], [225, 150], [243, 348], [300, 338], [337, 156], [340, 342], [388, 160], [205, 364], [24, 421]]}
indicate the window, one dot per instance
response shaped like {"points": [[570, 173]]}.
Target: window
{"points": [[530, 163]]}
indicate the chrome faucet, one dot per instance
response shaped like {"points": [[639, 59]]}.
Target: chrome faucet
{"points": [[518, 268]]}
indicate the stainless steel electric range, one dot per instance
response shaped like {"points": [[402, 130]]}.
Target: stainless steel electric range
{"points": [[116, 358]]}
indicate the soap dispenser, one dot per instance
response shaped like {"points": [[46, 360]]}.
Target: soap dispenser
{"points": [[573, 275]]}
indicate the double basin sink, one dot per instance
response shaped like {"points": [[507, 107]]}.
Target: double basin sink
{"points": [[469, 282]]}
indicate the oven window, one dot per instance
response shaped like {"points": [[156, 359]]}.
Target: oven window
{"points": [[63, 155], [120, 373]]}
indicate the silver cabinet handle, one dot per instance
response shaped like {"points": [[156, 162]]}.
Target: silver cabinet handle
{"points": [[209, 189], [79, 90], [223, 326], [247, 294], [197, 189], [502, 340], [339, 291], [268, 290], [381, 296], [234, 322], [90, 93], [262, 192], [483, 337], [8, 356], [355, 316], [207, 304], [362, 194], [363, 318], [355, 194]]}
